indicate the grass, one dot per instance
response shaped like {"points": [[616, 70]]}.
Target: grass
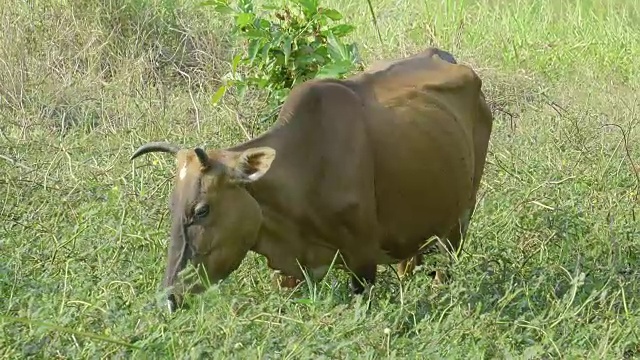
{"points": [[551, 267]]}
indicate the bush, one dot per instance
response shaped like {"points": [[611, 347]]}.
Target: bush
{"points": [[285, 47]]}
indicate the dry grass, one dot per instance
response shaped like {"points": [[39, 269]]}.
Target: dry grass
{"points": [[551, 266]]}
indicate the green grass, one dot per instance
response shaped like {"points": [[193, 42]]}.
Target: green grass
{"points": [[551, 268]]}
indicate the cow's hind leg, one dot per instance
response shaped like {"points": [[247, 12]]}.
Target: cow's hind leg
{"points": [[407, 266], [362, 276], [452, 245]]}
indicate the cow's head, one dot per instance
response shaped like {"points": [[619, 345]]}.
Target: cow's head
{"points": [[214, 219]]}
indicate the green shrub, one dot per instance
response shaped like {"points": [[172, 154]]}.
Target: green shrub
{"points": [[287, 45]]}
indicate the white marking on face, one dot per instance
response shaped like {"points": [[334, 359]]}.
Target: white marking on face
{"points": [[183, 172]]}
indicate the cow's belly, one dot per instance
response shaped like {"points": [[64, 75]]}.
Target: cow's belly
{"points": [[424, 183], [411, 210]]}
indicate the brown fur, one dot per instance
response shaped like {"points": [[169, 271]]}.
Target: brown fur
{"points": [[371, 167]]}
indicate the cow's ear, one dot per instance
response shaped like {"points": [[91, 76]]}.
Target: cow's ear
{"points": [[252, 164]]}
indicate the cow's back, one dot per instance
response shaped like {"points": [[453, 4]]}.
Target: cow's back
{"points": [[429, 126]]}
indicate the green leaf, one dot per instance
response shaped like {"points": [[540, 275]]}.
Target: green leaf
{"points": [[337, 50], [259, 82], [354, 54], [246, 6], [341, 30], [322, 53], [281, 94], [244, 19], [265, 52], [334, 70], [254, 47], [310, 7], [218, 94], [241, 89], [298, 80], [264, 24], [286, 48], [223, 9], [331, 14], [219, 6], [276, 37], [254, 34], [304, 61], [234, 63]]}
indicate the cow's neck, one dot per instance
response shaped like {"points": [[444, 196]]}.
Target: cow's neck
{"points": [[290, 233], [279, 239]]}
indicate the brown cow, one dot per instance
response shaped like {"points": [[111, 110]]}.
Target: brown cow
{"points": [[369, 167]]}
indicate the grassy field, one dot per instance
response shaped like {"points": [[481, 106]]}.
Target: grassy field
{"points": [[551, 268]]}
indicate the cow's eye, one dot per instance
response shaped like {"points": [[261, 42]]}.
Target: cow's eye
{"points": [[201, 210]]}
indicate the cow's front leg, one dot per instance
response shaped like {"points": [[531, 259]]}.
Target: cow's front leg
{"points": [[362, 276]]}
